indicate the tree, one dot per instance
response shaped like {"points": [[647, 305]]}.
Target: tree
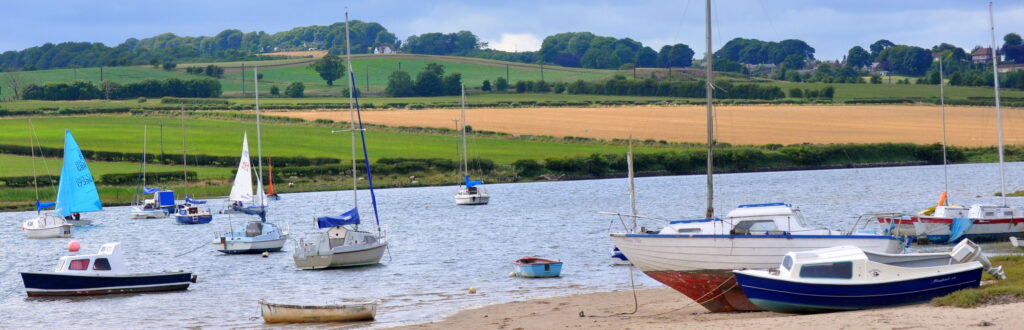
{"points": [[678, 55], [330, 68], [905, 60], [857, 57], [14, 82], [794, 62], [647, 58], [259, 76], [520, 86], [428, 83], [274, 90], [400, 85], [451, 84], [796, 93], [1013, 48], [296, 89], [879, 46], [876, 79], [501, 84], [214, 71], [169, 66], [1012, 39], [486, 86]]}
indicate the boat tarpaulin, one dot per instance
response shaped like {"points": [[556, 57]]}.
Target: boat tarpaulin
{"points": [[188, 199], [44, 205], [150, 190], [252, 210], [348, 218], [960, 226], [471, 183]]}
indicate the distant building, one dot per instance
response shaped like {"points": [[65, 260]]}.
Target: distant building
{"points": [[384, 49], [982, 55]]}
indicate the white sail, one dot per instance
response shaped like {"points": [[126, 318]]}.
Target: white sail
{"points": [[241, 191], [261, 197]]}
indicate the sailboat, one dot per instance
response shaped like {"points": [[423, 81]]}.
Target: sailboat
{"points": [[255, 236], [143, 208], [271, 194], [344, 244], [190, 212], [697, 257], [979, 222], [76, 193], [472, 193]]}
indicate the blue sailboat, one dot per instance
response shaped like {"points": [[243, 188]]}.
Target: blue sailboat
{"points": [[191, 212], [76, 193]]}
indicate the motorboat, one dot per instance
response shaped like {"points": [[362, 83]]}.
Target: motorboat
{"points": [[99, 274], [47, 226], [537, 267], [850, 278], [283, 313], [192, 213]]}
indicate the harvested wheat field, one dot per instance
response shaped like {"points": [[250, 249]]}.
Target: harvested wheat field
{"points": [[746, 124]]}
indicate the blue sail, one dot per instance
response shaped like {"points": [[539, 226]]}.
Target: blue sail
{"points": [[471, 183], [76, 191], [150, 190]]}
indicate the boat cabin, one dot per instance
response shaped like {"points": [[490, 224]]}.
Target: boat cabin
{"points": [[748, 219], [846, 263], [107, 261], [987, 211], [950, 211], [341, 236]]}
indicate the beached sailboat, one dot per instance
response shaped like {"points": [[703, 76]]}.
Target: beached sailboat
{"points": [[696, 257], [472, 193], [271, 194], [255, 236], [979, 222], [76, 193], [143, 208], [849, 278], [344, 244], [190, 212]]}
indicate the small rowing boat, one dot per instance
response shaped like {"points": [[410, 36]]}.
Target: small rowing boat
{"points": [[282, 313]]}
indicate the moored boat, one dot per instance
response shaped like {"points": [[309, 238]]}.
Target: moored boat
{"points": [[537, 267], [283, 313], [472, 193], [98, 274], [849, 278], [76, 192]]}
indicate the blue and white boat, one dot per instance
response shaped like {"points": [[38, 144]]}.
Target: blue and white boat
{"points": [[76, 193], [850, 278], [99, 274], [191, 212], [143, 208], [537, 267], [255, 236]]}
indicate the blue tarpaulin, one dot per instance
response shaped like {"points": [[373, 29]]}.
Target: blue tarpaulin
{"points": [[960, 226], [471, 183], [150, 190], [42, 206], [348, 218], [188, 199]]}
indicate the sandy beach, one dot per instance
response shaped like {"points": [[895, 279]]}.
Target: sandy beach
{"points": [[746, 124], [667, 309]]}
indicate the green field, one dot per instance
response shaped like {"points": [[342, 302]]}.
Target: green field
{"points": [[120, 74], [15, 165], [223, 138], [846, 92]]}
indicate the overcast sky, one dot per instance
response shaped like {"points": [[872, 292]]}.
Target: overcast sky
{"points": [[831, 27]]}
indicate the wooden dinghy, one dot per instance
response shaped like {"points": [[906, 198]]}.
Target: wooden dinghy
{"points": [[281, 313]]}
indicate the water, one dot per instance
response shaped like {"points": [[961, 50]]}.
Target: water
{"points": [[439, 250]]}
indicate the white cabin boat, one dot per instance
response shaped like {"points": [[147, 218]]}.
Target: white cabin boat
{"points": [[340, 247], [47, 225], [98, 274]]}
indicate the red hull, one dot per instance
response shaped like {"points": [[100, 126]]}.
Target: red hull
{"points": [[716, 290], [911, 220]]}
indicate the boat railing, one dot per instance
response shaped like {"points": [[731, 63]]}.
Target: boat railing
{"points": [[868, 219]]}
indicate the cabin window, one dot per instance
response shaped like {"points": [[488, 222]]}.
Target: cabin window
{"points": [[101, 264], [750, 226], [787, 262], [828, 270], [989, 214], [688, 230], [79, 264], [1008, 213]]}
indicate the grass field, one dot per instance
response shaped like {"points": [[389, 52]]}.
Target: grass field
{"points": [[846, 92], [15, 165], [223, 137], [120, 74]]}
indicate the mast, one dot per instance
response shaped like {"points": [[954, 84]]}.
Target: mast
{"points": [[942, 102], [145, 137], [184, 159], [709, 89], [259, 140], [999, 112], [35, 180], [465, 154], [632, 187], [351, 114]]}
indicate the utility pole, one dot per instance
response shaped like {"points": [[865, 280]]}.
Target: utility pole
{"points": [[506, 74], [542, 72], [101, 74]]}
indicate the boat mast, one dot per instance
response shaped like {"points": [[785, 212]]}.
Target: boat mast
{"points": [[259, 140], [35, 179], [942, 103], [184, 159], [465, 154], [632, 187], [351, 113], [709, 89], [999, 112]]}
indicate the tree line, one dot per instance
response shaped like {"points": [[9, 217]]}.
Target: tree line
{"points": [[432, 81], [86, 90]]}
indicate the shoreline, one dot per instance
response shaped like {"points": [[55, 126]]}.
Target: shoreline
{"points": [[667, 309]]}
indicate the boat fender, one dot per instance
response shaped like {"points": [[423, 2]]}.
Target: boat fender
{"points": [[266, 254], [472, 290], [194, 278], [73, 246]]}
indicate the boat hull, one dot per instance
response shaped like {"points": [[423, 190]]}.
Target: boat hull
{"points": [[539, 270], [193, 219], [80, 223], [788, 296], [472, 199], [699, 266], [348, 258], [149, 214], [279, 313], [250, 245], [63, 231], [54, 284], [937, 229]]}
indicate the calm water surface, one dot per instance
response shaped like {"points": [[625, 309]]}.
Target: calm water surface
{"points": [[439, 250]]}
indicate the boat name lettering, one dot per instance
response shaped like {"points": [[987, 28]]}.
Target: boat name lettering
{"points": [[83, 180], [940, 280]]}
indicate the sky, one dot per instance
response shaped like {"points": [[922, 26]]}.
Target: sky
{"points": [[831, 27]]}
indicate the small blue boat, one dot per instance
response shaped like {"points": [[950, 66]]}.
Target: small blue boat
{"points": [[99, 274], [190, 214], [537, 267], [848, 278], [618, 258]]}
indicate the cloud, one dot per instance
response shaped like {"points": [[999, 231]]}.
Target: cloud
{"points": [[510, 42]]}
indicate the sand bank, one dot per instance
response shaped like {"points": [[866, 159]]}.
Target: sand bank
{"points": [[667, 309]]}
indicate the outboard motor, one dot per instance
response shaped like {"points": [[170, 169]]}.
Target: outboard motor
{"points": [[967, 251]]}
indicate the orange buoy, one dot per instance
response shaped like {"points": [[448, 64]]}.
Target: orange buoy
{"points": [[73, 246]]}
